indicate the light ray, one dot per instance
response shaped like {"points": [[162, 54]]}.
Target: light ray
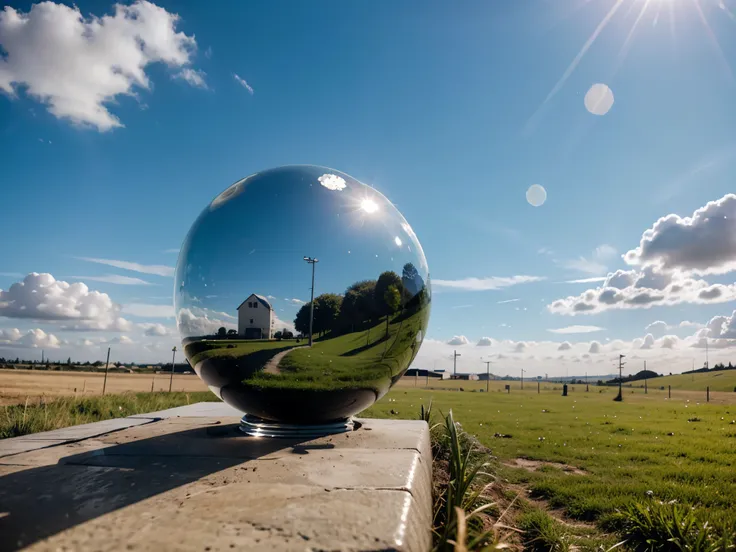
{"points": [[627, 42], [571, 68], [713, 39]]}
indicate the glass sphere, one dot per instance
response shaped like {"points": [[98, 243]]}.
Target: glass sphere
{"points": [[243, 295]]}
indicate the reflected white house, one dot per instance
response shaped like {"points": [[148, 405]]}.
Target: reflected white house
{"points": [[255, 318]]}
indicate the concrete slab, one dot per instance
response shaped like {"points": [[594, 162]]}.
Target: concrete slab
{"points": [[206, 409], [36, 441], [197, 483]]}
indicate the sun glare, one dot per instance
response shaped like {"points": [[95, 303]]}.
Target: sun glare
{"points": [[369, 206]]}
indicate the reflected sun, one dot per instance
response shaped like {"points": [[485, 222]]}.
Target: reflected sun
{"points": [[369, 206]]}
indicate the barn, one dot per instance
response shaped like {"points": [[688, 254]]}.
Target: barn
{"points": [[255, 318]]}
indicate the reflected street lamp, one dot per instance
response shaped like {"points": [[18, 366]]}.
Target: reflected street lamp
{"points": [[313, 262]]}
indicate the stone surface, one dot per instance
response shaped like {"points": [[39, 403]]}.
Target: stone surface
{"points": [[197, 483]]}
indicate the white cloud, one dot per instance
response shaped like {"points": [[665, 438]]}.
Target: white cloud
{"points": [[669, 342], [77, 66], [296, 301], [595, 347], [154, 329], [648, 342], [680, 289], [564, 346], [482, 284], [506, 301], [279, 324], [332, 182], [593, 280], [484, 342], [242, 82], [193, 77], [704, 243], [116, 279], [42, 297], [722, 327], [120, 340], [145, 310], [158, 270], [582, 264], [32, 339], [576, 329], [194, 322], [458, 340], [657, 326]]}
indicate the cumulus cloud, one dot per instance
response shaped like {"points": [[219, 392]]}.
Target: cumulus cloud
{"points": [[669, 341], [576, 329], [648, 342], [657, 327], [242, 82], [193, 322], [32, 339], [484, 342], [77, 66], [154, 329], [723, 327], [42, 297], [296, 301], [158, 270], [682, 289], [483, 284], [564, 346], [704, 243], [458, 340], [595, 347]]}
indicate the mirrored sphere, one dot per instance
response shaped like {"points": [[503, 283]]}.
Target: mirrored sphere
{"points": [[244, 284]]}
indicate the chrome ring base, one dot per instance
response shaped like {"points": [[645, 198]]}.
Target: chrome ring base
{"points": [[258, 427]]}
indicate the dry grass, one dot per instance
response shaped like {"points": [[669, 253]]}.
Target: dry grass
{"points": [[17, 385]]}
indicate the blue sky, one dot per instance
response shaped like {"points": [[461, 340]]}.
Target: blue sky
{"points": [[452, 113]]}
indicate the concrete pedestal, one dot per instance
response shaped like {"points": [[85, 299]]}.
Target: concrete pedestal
{"points": [[187, 479]]}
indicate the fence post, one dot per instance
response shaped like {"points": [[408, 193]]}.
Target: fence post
{"points": [[669, 391], [707, 394]]}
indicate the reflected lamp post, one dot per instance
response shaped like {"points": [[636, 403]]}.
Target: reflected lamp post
{"points": [[313, 262]]}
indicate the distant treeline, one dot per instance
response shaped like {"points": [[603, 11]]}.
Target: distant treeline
{"points": [[364, 303], [716, 368]]}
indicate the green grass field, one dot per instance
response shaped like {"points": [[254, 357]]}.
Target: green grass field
{"points": [[724, 380], [678, 450]]}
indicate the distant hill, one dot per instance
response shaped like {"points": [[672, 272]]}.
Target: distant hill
{"points": [[643, 375], [723, 380]]}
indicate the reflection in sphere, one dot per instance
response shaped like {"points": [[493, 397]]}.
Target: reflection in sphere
{"points": [[243, 285]]}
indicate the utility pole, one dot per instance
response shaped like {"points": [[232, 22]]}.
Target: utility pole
{"points": [[104, 382], [586, 382], [522, 378], [707, 366], [173, 357], [488, 375], [313, 262], [646, 390], [620, 396], [455, 354]]}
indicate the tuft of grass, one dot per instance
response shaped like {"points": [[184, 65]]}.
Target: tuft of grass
{"points": [[542, 533], [656, 526], [24, 419]]}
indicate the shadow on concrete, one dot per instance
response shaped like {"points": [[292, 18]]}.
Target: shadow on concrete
{"points": [[38, 502]]}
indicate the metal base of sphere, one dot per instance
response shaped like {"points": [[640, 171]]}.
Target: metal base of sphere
{"points": [[258, 427]]}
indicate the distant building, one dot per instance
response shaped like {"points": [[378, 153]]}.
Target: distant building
{"points": [[472, 377], [255, 318], [418, 372]]}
